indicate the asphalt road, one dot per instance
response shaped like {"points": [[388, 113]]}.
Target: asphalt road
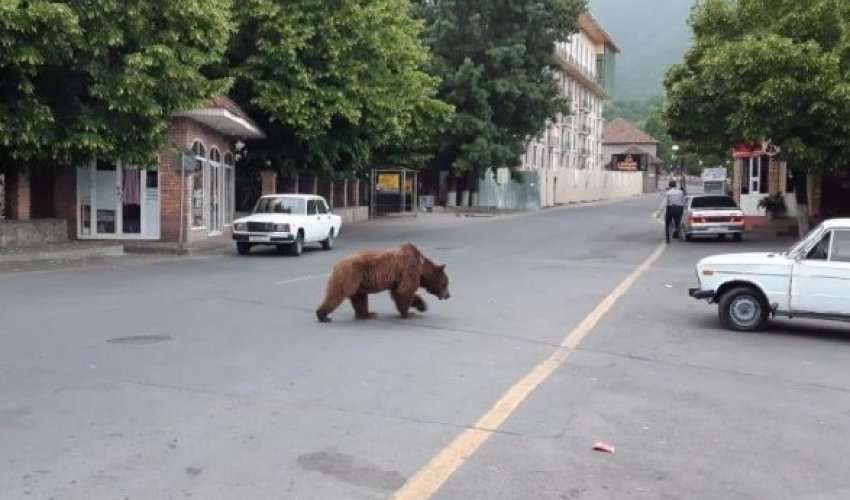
{"points": [[210, 378]]}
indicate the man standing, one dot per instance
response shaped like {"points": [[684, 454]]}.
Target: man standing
{"points": [[673, 204]]}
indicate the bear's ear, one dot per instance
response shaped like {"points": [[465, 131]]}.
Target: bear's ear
{"points": [[441, 267]]}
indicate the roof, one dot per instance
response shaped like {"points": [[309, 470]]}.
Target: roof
{"points": [[224, 102], [225, 116], [833, 223], [595, 31], [620, 131]]}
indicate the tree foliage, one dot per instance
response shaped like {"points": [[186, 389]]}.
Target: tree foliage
{"points": [[762, 69], [494, 59], [87, 79], [337, 85]]}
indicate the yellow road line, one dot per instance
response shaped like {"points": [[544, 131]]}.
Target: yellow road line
{"points": [[437, 471]]}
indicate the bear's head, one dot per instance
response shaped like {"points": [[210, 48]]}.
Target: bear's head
{"points": [[435, 280]]}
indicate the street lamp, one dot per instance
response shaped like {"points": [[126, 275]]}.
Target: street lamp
{"points": [[675, 149]]}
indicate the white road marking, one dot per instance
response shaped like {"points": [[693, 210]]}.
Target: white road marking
{"points": [[302, 278]]}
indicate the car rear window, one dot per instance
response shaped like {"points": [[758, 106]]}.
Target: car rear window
{"points": [[713, 202], [279, 205]]}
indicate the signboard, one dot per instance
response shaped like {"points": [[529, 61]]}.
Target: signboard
{"points": [[388, 182], [714, 174], [628, 165]]}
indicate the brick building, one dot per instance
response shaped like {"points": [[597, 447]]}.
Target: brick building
{"points": [[188, 197]]}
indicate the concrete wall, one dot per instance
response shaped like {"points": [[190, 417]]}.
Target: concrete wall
{"points": [[15, 233], [561, 186], [351, 214]]}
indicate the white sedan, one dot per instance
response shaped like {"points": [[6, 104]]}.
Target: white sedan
{"points": [[288, 221], [809, 280], [712, 215]]}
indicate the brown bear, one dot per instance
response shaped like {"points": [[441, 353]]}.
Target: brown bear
{"points": [[401, 270]]}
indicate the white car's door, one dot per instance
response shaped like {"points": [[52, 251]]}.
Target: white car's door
{"points": [[325, 220], [312, 221], [820, 282]]}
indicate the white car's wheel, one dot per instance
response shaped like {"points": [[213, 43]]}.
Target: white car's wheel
{"points": [[328, 243], [743, 309], [297, 246]]}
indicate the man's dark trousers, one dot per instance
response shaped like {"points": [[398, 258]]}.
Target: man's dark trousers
{"points": [[672, 215]]}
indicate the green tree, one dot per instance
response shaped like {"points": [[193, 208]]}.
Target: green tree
{"points": [[338, 86], [758, 69], [87, 79], [494, 58]]}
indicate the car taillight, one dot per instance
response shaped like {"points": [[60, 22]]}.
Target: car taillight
{"points": [[737, 219], [697, 220], [283, 228]]}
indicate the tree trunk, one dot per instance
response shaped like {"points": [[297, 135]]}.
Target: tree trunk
{"points": [[451, 195]]}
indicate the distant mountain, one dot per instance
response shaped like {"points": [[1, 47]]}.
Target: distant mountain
{"points": [[653, 35]]}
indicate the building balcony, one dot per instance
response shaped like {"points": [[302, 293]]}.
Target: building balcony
{"points": [[583, 77]]}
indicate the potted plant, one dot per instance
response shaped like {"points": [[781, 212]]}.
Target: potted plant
{"points": [[774, 204]]}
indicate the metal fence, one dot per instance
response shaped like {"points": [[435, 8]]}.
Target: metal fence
{"points": [[509, 194]]}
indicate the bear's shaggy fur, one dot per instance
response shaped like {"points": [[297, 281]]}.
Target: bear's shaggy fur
{"points": [[401, 270]]}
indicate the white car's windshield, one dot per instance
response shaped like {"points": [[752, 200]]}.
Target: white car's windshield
{"points": [[803, 242], [281, 205]]}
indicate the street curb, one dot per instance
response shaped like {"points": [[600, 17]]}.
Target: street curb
{"points": [[172, 250], [64, 254]]}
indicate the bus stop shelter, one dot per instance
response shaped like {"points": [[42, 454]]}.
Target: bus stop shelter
{"points": [[394, 192]]}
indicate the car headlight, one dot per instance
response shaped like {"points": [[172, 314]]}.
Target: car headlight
{"points": [[282, 228], [240, 226]]}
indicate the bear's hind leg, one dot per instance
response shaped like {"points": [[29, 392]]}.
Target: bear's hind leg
{"points": [[331, 302], [360, 303]]}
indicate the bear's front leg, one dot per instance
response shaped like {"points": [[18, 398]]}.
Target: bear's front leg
{"points": [[403, 300], [360, 303], [418, 303]]}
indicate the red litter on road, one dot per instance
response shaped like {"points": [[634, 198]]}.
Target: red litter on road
{"points": [[603, 447]]}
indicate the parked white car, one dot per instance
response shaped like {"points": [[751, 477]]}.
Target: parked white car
{"points": [[810, 280], [288, 221]]}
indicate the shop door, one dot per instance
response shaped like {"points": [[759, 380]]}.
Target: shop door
{"points": [[116, 201]]}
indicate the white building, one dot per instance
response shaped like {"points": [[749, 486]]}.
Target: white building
{"points": [[585, 76]]}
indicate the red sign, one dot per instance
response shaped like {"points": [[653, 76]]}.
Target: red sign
{"points": [[747, 150]]}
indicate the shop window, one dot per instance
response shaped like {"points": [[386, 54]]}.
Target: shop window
{"points": [[229, 188], [197, 197]]}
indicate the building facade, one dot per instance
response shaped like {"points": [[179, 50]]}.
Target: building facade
{"points": [[625, 148], [187, 198], [585, 76]]}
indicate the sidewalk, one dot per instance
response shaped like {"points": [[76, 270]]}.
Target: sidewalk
{"points": [[74, 250]]}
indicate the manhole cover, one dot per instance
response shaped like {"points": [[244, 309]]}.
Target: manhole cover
{"points": [[139, 339]]}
